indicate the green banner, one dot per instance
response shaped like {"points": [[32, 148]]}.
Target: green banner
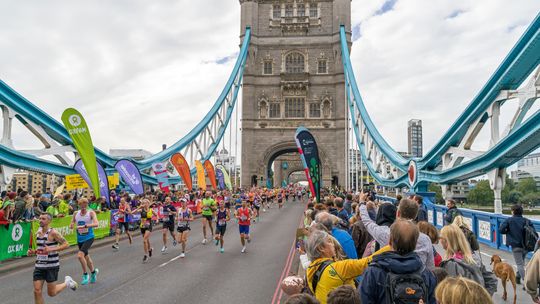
{"points": [[14, 240], [61, 224], [79, 133]]}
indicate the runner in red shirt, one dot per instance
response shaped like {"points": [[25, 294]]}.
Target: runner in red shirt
{"points": [[244, 214]]}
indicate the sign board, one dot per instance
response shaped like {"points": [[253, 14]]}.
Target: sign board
{"points": [[75, 181], [484, 230]]}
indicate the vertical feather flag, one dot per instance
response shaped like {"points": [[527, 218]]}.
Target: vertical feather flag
{"points": [[307, 147], [201, 179], [181, 165], [210, 172]]}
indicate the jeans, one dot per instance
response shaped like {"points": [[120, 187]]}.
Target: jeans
{"points": [[519, 257]]}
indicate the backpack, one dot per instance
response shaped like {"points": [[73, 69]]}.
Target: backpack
{"points": [[406, 288], [530, 236], [318, 274]]}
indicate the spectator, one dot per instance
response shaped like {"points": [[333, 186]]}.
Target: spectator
{"points": [[330, 273], [359, 234], [302, 298], [430, 230], [341, 212], [461, 290], [343, 237], [398, 199], [407, 210], [63, 206], [330, 206], [348, 204], [20, 205], [95, 204], [458, 259], [5, 211], [385, 216], [440, 274], [452, 212], [389, 273], [343, 295], [44, 203], [469, 235], [532, 277], [422, 212], [29, 212], [53, 209], [513, 227], [9, 201]]}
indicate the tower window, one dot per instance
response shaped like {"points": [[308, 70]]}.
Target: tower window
{"points": [[275, 110], [294, 107], [294, 63], [321, 67], [267, 69], [313, 11], [314, 110], [289, 10], [276, 11], [300, 10]]}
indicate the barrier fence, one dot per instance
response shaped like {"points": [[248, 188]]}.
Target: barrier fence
{"points": [[485, 225]]}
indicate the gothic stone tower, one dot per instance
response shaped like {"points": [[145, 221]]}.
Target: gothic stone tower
{"points": [[293, 77]]}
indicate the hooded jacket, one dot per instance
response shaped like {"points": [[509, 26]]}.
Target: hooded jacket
{"points": [[373, 287]]}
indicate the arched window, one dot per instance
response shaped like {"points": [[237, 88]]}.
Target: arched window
{"points": [[294, 63]]}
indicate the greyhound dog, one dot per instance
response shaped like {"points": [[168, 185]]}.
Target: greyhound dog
{"points": [[504, 272]]}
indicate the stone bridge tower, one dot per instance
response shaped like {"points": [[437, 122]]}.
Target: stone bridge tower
{"points": [[293, 77]]}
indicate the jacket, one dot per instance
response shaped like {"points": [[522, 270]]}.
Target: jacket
{"points": [[381, 234], [475, 272], [471, 238], [373, 287], [346, 242], [451, 213], [337, 274], [513, 228], [360, 236]]}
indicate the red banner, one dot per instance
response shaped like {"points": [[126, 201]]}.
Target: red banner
{"points": [[181, 165], [211, 173]]}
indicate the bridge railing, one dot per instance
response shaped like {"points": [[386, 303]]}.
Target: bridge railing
{"points": [[485, 225]]}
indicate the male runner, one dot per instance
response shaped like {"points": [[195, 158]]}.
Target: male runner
{"points": [[244, 215], [185, 216], [122, 222], [208, 207], [222, 217], [168, 212], [48, 243], [85, 221]]}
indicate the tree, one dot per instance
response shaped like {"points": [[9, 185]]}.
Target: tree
{"points": [[527, 185], [514, 197], [432, 187], [533, 198], [481, 194]]}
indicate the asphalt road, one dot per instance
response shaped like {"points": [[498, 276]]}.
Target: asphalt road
{"points": [[204, 276]]}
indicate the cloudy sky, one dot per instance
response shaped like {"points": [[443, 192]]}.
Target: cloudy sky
{"points": [[144, 73]]}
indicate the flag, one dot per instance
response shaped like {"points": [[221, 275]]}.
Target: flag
{"points": [[307, 147], [162, 176], [210, 172], [226, 177], [220, 179], [102, 178], [201, 179], [181, 165], [80, 134], [131, 175]]}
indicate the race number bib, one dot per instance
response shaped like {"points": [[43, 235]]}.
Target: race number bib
{"points": [[40, 256], [243, 218], [222, 222]]}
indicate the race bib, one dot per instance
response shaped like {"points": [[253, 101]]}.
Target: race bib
{"points": [[166, 219], [222, 222], [243, 218], [82, 231], [41, 257]]}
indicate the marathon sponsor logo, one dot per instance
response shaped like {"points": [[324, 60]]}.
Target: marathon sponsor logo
{"points": [[15, 248], [64, 230], [77, 131]]}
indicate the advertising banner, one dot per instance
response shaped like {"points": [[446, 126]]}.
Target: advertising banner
{"points": [[61, 224], [79, 133], [201, 179], [14, 240], [75, 181], [307, 147], [226, 177], [181, 165], [102, 178], [210, 172], [131, 175], [162, 176], [220, 179]]}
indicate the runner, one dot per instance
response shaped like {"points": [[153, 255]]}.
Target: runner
{"points": [[264, 199], [185, 216], [208, 207], [222, 217], [280, 199], [168, 212], [256, 207], [244, 216], [146, 227], [122, 222], [85, 220], [48, 243]]}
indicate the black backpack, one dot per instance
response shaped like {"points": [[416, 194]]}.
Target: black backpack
{"points": [[530, 236], [406, 288], [317, 276]]}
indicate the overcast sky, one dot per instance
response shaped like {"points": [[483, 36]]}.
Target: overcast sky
{"points": [[144, 73]]}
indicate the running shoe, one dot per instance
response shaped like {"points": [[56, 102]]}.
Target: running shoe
{"points": [[221, 250], [150, 252], [93, 276], [244, 249], [164, 249], [115, 246], [174, 243], [71, 283], [217, 242], [85, 279], [204, 241], [182, 255], [145, 259], [249, 240]]}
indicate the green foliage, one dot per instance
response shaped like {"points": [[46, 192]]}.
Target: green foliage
{"points": [[533, 198], [438, 192], [526, 185], [481, 194], [514, 197]]}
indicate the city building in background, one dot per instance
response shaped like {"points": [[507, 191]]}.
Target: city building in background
{"points": [[414, 137]]}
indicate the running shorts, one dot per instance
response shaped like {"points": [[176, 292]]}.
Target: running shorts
{"points": [[208, 217], [124, 225], [48, 275], [244, 229], [182, 229], [221, 230], [168, 225], [85, 246]]}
